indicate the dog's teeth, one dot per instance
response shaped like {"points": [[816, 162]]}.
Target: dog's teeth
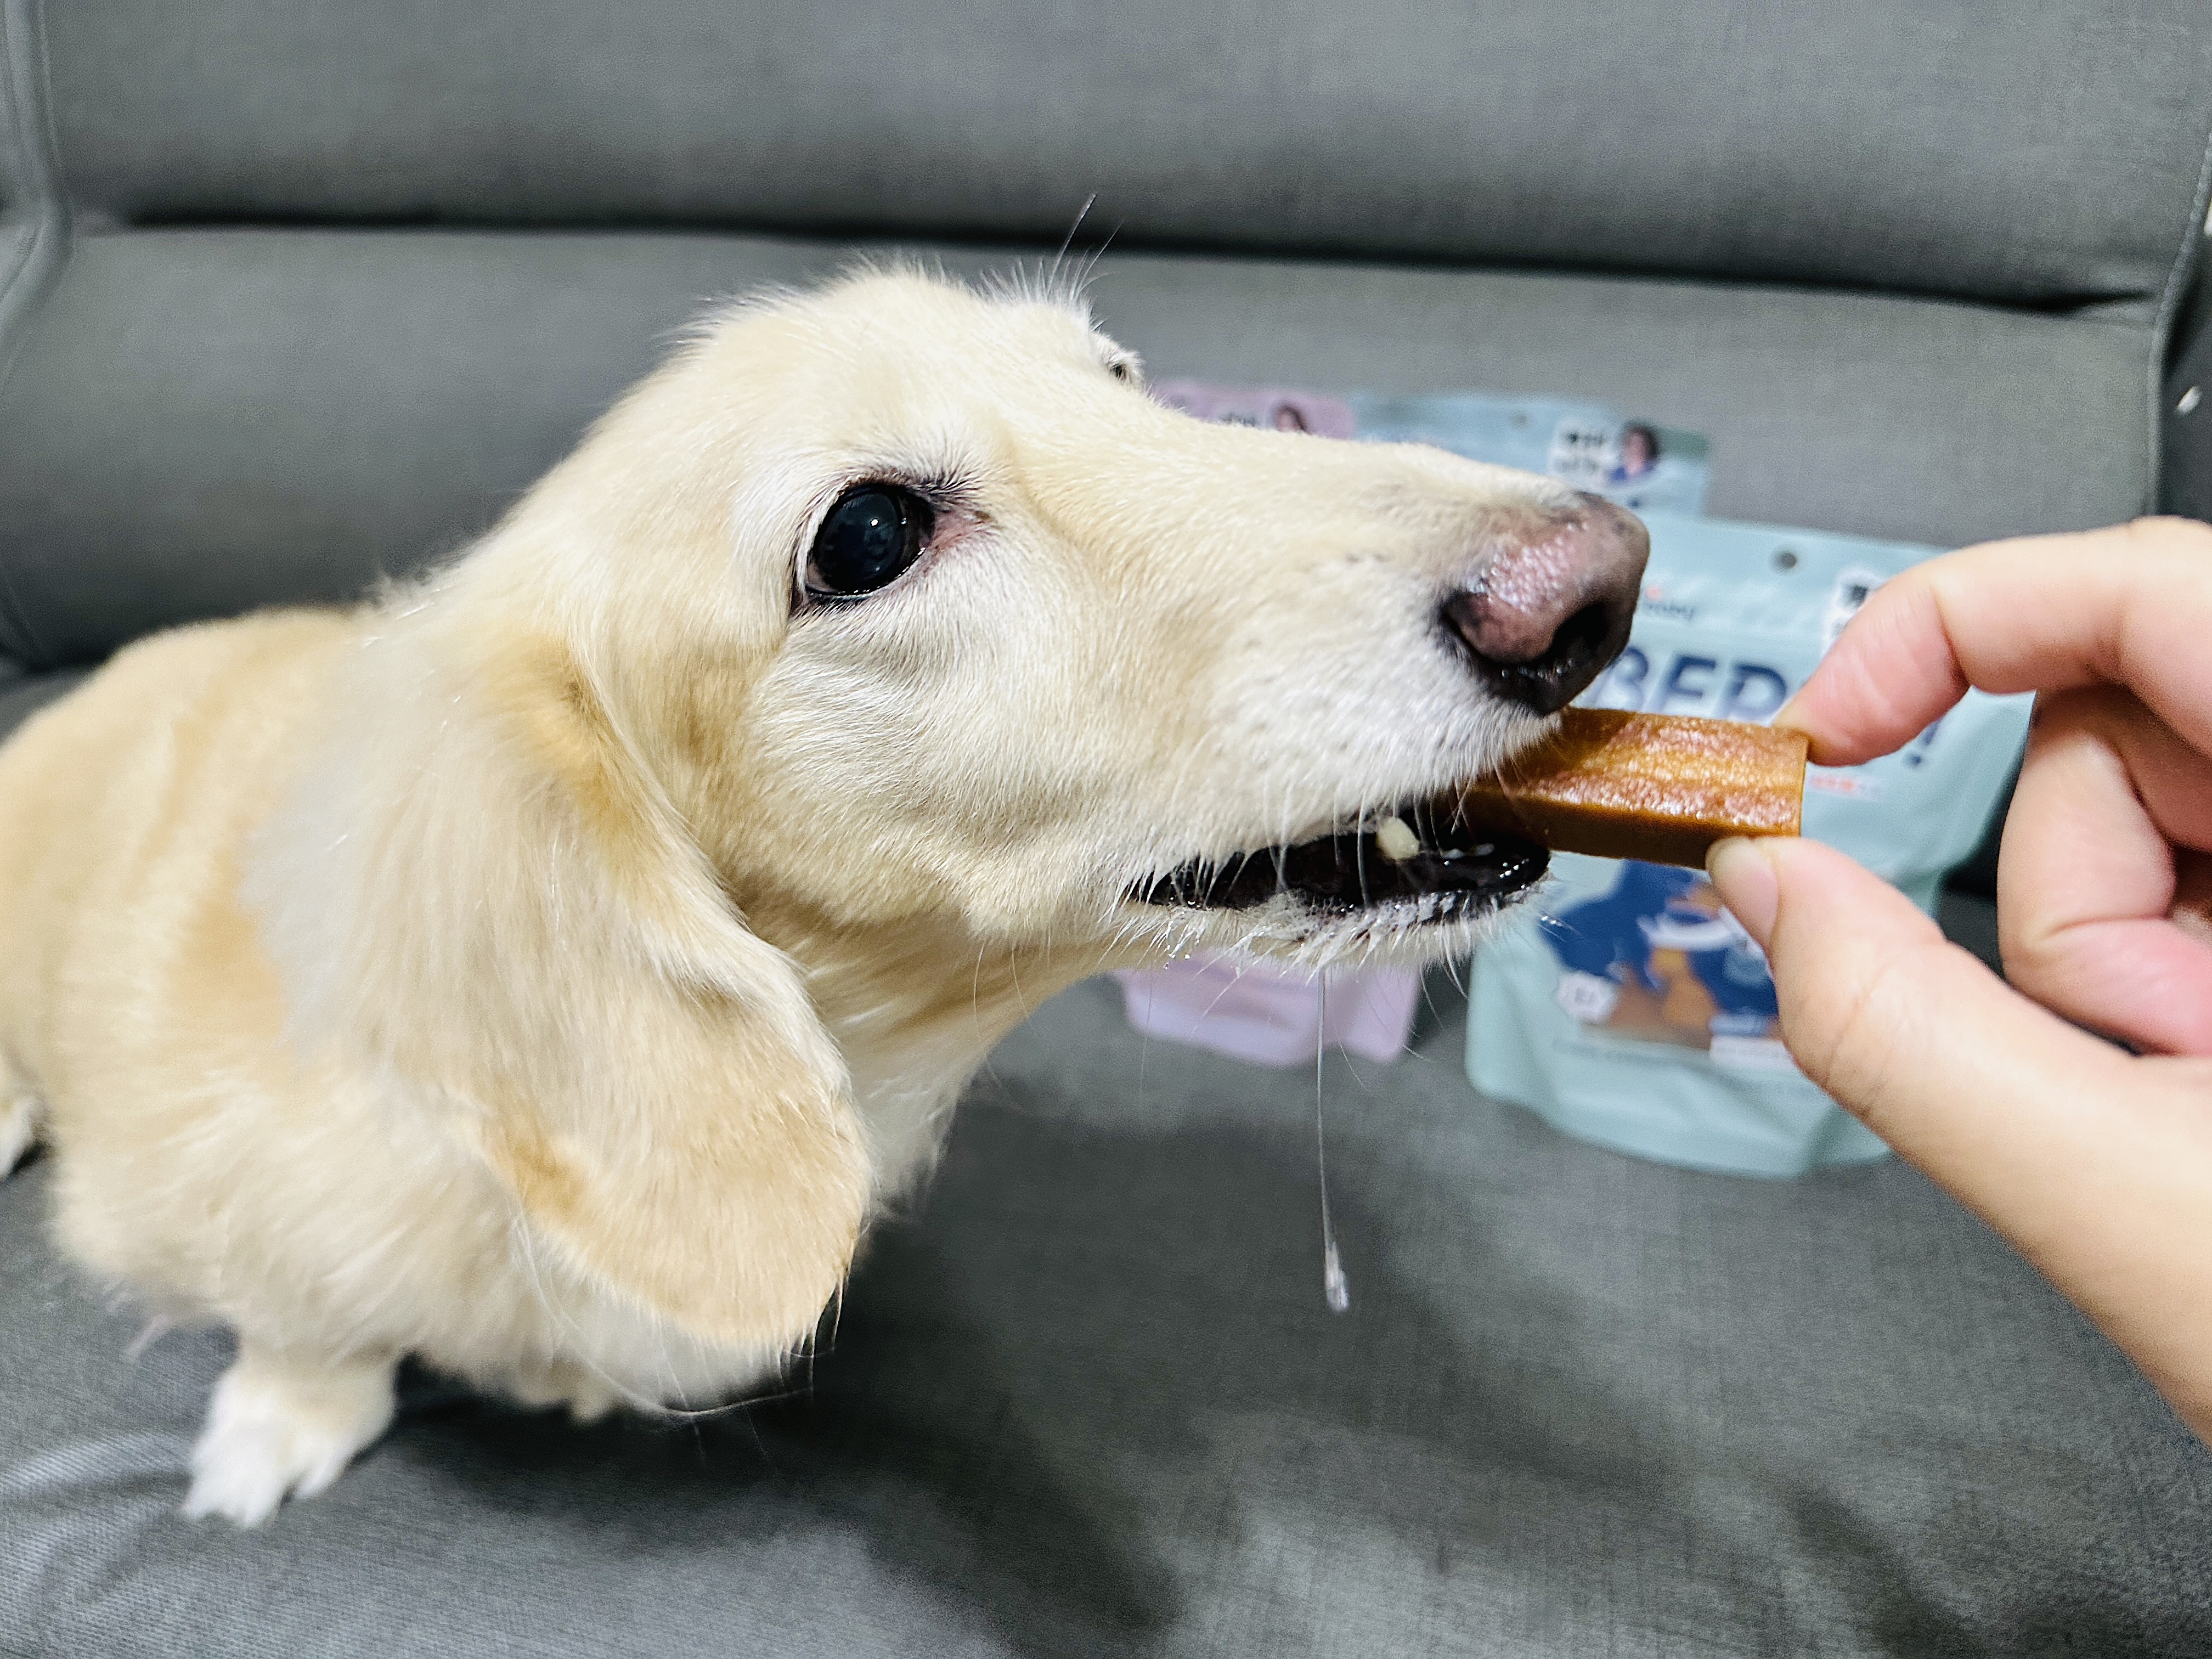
{"points": [[1395, 840]]}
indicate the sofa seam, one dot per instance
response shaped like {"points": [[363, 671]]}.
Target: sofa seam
{"points": [[24, 288], [2161, 331]]}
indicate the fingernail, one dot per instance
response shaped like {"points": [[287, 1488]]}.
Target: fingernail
{"points": [[1747, 885], [1787, 715]]}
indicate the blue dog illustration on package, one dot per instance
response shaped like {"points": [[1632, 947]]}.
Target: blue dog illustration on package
{"points": [[1656, 956]]}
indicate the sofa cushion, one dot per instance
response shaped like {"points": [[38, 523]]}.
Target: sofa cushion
{"points": [[2047, 156], [1087, 1399], [199, 422]]}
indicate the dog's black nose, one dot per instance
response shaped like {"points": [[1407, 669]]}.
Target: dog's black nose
{"points": [[1549, 611]]}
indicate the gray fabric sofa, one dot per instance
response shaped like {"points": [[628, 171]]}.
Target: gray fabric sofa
{"points": [[294, 295]]}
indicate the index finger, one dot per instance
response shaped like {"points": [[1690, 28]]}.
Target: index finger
{"points": [[2131, 605]]}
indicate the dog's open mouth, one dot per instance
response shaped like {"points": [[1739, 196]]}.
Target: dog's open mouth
{"points": [[1424, 855]]}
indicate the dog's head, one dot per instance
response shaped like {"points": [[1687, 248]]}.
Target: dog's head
{"points": [[927, 609], [886, 659]]}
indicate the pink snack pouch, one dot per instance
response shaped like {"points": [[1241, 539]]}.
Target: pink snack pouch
{"points": [[1255, 1010]]}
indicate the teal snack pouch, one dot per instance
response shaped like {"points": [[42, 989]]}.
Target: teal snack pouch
{"points": [[1623, 1003]]}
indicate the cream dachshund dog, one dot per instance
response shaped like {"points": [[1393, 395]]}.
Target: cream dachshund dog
{"points": [[546, 970]]}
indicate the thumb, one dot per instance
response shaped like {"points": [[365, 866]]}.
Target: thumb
{"points": [[1929, 1049]]}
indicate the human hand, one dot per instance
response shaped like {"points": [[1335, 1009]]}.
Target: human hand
{"points": [[2095, 1163]]}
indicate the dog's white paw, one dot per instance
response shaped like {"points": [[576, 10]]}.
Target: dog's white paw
{"points": [[279, 1428], [19, 1127]]}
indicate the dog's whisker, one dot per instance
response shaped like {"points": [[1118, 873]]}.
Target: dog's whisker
{"points": [[1061, 253]]}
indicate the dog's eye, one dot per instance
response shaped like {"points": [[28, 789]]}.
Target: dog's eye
{"points": [[873, 532], [1122, 369]]}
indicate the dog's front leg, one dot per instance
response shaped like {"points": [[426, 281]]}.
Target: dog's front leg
{"points": [[284, 1424]]}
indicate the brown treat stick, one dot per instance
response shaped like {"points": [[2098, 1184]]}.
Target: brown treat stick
{"points": [[1659, 788]]}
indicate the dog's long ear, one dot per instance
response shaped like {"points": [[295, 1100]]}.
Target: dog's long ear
{"points": [[536, 939], [688, 1134], [691, 1146]]}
